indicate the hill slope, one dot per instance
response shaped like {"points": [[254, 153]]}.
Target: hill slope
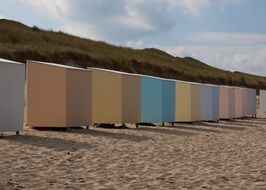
{"points": [[19, 42]]}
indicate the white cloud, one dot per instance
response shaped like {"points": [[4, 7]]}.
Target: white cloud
{"points": [[196, 7], [113, 20], [250, 59], [242, 38]]}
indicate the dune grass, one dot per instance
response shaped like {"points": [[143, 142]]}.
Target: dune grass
{"points": [[19, 42]]}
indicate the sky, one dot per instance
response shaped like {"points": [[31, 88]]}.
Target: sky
{"points": [[228, 34]]}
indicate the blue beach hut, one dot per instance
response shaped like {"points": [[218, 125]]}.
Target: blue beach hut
{"points": [[151, 99]]}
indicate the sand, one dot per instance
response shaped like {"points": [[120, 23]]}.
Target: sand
{"points": [[224, 155]]}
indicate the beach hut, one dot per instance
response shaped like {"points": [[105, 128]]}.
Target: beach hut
{"points": [[12, 84], [210, 103], [57, 95], [187, 102], [151, 94], [262, 101], [106, 96], [168, 100]]}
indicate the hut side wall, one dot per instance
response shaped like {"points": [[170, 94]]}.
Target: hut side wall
{"points": [[244, 102], [215, 103], [206, 106], [231, 97], [238, 103], [131, 99], [78, 98], [12, 83], [151, 99], [251, 102], [196, 102], [168, 101], [46, 95]]}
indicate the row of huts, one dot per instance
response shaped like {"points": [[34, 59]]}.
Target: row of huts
{"points": [[64, 96]]}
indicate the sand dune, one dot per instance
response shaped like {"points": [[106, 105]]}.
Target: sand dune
{"points": [[225, 155]]}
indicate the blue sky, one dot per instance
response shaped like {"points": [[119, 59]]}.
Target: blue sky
{"points": [[229, 34]]}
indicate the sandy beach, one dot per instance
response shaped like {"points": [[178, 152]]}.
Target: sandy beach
{"points": [[224, 155]]}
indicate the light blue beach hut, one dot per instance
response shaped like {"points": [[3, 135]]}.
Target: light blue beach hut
{"points": [[151, 99]]}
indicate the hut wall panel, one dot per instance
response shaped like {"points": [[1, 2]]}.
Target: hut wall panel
{"points": [[168, 101], [232, 112], [244, 102], [251, 102], [196, 102], [78, 98], [131, 99], [215, 103], [206, 106], [238, 103]]}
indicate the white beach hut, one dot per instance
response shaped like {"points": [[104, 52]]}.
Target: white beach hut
{"points": [[12, 84]]}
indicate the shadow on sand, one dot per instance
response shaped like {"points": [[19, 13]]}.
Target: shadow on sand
{"points": [[196, 128], [56, 144], [112, 135], [166, 131], [222, 126]]}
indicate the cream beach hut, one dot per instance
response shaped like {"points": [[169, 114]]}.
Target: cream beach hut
{"points": [[106, 96], [188, 101]]}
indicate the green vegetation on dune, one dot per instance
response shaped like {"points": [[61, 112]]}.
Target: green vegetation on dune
{"points": [[19, 42]]}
